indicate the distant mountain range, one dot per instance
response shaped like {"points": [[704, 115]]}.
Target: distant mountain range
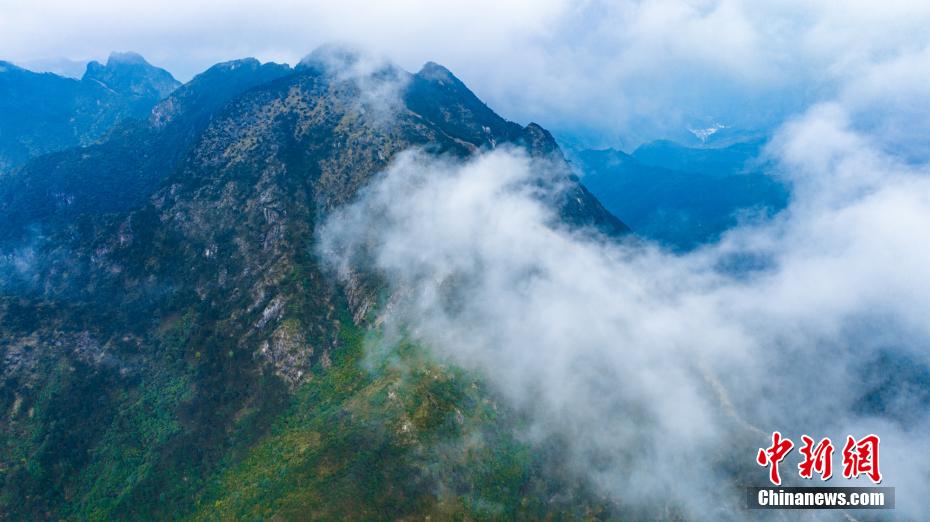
{"points": [[45, 112], [171, 345], [683, 196]]}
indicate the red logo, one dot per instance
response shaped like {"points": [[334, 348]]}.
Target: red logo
{"points": [[860, 457], [819, 459], [774, 454]]}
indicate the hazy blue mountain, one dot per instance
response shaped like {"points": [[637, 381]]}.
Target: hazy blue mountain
{"points": [[44, 112], [682, 196], [121, 171], [738, 158]]}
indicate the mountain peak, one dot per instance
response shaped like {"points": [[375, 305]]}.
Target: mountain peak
{"points": [[331, 56], [127, 57], [344, 61], [129, 73], [434, 71], [247, 63]]}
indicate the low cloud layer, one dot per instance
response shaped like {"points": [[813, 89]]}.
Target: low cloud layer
{"points": [[665, 372], [603, 72]]}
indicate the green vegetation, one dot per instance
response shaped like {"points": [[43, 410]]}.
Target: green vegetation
{"points": [[406, 438], [392, 438]]}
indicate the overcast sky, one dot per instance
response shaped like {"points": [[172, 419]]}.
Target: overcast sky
{"points": [[607, 72]]}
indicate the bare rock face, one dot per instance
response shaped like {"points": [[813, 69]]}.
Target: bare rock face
{"points": [[289, 352]]}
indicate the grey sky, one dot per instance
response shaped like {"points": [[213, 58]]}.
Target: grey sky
{"points": [[606, 72]]}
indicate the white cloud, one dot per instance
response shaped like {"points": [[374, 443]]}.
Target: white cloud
{"points": [[605, 71], [662, 371]]}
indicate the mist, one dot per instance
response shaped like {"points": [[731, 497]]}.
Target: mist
{"points": [[597, 72], [666, 372]]}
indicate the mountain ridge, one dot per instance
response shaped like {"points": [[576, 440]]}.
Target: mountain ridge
{"points": [[165, 310]]}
